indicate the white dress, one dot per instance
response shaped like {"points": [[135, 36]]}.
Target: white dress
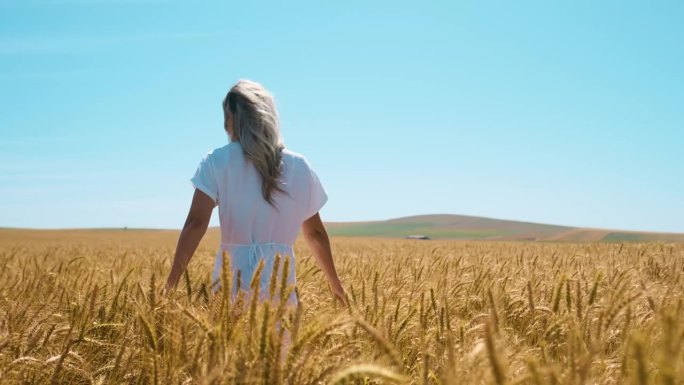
{"points": [[250, 227]]}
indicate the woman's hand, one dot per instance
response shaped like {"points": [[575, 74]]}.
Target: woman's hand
{"points": [[340, 295], [167, 290], [195, 226], [317, 238]]}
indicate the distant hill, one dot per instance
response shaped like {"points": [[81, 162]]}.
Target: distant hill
{"points": [[448, 226], [442, 226]]}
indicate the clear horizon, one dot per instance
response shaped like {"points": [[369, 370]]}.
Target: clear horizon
{"points": [[215, 225], [562, 114]]}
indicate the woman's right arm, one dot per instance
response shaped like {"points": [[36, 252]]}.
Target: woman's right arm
{"points": [[317, 238], [194, 229]]}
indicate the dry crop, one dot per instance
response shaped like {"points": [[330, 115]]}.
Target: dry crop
{"points": [[422, 312]]}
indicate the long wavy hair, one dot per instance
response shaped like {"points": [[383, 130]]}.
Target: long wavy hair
{"points": [[256, 125]]}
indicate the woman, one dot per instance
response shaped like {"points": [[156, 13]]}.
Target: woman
{"points": [[264, 192]]}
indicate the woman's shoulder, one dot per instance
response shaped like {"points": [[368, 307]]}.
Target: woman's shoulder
{"points": [[294, 157], [232, 151], [221, 157], [224, 152], [292, 154]]}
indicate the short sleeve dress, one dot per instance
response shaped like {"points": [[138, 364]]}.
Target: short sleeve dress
{"points": [[251, 228]]}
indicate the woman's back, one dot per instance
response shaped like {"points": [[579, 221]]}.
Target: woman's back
{"points": [[245, 216], [251, 227], [265, 194]]}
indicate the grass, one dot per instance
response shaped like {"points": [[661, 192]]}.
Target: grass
{"points": [[383, 229], [625, 237], [377, 229], [437, 312]]}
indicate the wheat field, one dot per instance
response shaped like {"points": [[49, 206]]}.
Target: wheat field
{"points": [[88, 309]]}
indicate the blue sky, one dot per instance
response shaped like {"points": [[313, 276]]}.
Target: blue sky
{"points": [[554, 112]]}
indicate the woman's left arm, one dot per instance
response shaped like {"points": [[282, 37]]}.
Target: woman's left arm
{"points": [[194, 229]]}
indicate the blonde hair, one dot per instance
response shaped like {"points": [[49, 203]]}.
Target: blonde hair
{"points": [[255, 121]]}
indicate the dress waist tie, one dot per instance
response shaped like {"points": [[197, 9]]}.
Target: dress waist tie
{"points": [[254, 249]]}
